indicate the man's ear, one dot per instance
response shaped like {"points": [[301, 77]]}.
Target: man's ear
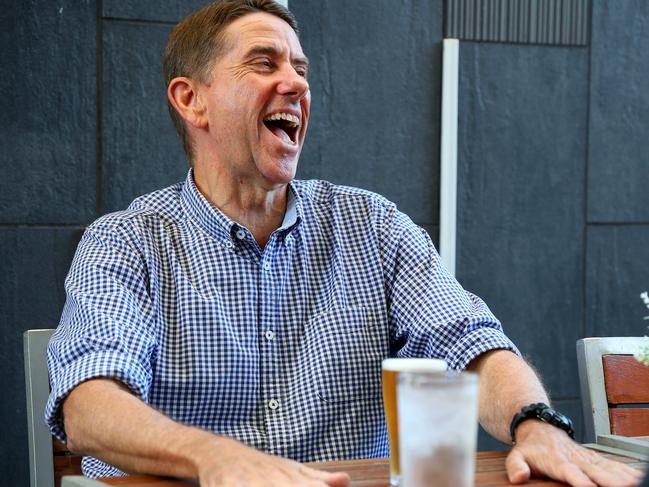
{"points": [[184, 96]]}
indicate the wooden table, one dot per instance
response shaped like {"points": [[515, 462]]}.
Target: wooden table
{"points": [[490, 472]]}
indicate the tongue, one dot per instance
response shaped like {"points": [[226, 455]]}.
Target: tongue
{"points": [[279, 132]]}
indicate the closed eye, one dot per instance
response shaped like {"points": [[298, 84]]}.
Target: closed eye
{"points": [[302, 71], [264, 63]]}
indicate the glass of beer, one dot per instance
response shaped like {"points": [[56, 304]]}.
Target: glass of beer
{"points": [[390, 369], [438, 428]]}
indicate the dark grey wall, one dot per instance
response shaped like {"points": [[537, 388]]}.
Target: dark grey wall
{"points": [[553, 224], [554, 211]]}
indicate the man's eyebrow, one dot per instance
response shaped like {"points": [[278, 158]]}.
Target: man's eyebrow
{"points": [[273, 51]]}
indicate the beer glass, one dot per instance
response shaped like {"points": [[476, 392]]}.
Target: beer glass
{"points": [[438, 428], [390, 368]]}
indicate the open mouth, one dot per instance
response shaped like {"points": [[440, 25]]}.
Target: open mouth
{"points": [[284, 126]]}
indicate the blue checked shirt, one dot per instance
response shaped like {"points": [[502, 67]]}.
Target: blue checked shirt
{"points": [[279, 347]]}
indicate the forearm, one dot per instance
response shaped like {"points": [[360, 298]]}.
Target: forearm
{"points": [[507, 384], [104, 420]]}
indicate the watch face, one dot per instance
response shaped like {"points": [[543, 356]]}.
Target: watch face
{"points": [[551, 416], [564, 419], [548, 414]]}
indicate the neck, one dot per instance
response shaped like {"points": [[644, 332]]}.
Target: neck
{"points": [[260, 209]]}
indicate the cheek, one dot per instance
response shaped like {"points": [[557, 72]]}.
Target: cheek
{"points": [[230, 118], [306, 104]]}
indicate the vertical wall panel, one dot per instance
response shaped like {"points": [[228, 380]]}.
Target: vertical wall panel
{"points": [[33, 265], [48, 106], [47, 177], [161, 10], [618, 178], [141, 151], [375, 84], [523, 114], [617, 274]]}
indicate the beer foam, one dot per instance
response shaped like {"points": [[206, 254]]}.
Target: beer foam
{"points": [[414, 364]]}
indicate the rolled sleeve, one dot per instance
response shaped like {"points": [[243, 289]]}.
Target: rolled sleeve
{"points": [[105, 329], [105, 364], [430, 314], [475, 343]]}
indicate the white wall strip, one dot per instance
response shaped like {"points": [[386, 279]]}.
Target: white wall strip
{"points": [[448, 154], [283, 2]]}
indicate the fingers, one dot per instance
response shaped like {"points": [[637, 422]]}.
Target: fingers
{"points": [[597, 470], [568, 462], [518, 471], [339, 479], [573, 475], [263, 470], [612, 474], [332, 479]]}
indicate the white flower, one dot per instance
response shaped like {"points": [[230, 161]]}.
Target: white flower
{"points": [[643, 353]]}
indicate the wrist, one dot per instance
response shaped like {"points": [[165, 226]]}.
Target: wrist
{"points": [[540, 415], [530, 428], [200, 448]]}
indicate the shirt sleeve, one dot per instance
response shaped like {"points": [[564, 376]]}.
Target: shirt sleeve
{"points": [[429, 313], [106, 325]]}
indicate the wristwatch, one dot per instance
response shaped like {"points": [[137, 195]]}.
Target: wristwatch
{"points": [[545, 413]]}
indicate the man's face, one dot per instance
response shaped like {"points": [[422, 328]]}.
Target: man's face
{"points": [[257, 102]]}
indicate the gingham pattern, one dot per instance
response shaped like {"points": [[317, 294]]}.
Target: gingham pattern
{"points": [[280, 348]]}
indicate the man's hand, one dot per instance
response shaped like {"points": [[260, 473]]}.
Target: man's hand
{"points": [[543, 450], [507, 384], [239, 465], [105, 420]]}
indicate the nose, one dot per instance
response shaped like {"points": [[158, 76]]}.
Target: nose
{"points": [[292, 84]]}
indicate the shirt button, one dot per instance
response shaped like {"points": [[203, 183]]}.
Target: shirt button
{"points": [[241, 234], [270, 335], [229, 244], [267, 266], [273, 404]]}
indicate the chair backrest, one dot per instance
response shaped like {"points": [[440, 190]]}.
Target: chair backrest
{"points": [[49, 460], [37, 385], [614, 387]]}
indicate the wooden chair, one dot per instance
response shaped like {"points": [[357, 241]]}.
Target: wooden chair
{"points": [[614, 388], [49, 459]]}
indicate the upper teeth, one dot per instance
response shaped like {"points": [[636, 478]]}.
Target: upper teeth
{"points": [[293, 120]]}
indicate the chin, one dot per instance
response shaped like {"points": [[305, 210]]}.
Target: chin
{"points": [[282, 171], [285, 177]]}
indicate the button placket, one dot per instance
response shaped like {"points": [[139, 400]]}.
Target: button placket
{"points": [[272, 385]]}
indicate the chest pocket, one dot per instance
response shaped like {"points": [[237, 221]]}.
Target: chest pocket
{"points": [[346, 347]]}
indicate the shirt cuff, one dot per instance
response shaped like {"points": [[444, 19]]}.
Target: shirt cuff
{"points": [[476, 343]]}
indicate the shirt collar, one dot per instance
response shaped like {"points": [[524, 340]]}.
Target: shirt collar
{"points": [[218, 225], [293, 215]]}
